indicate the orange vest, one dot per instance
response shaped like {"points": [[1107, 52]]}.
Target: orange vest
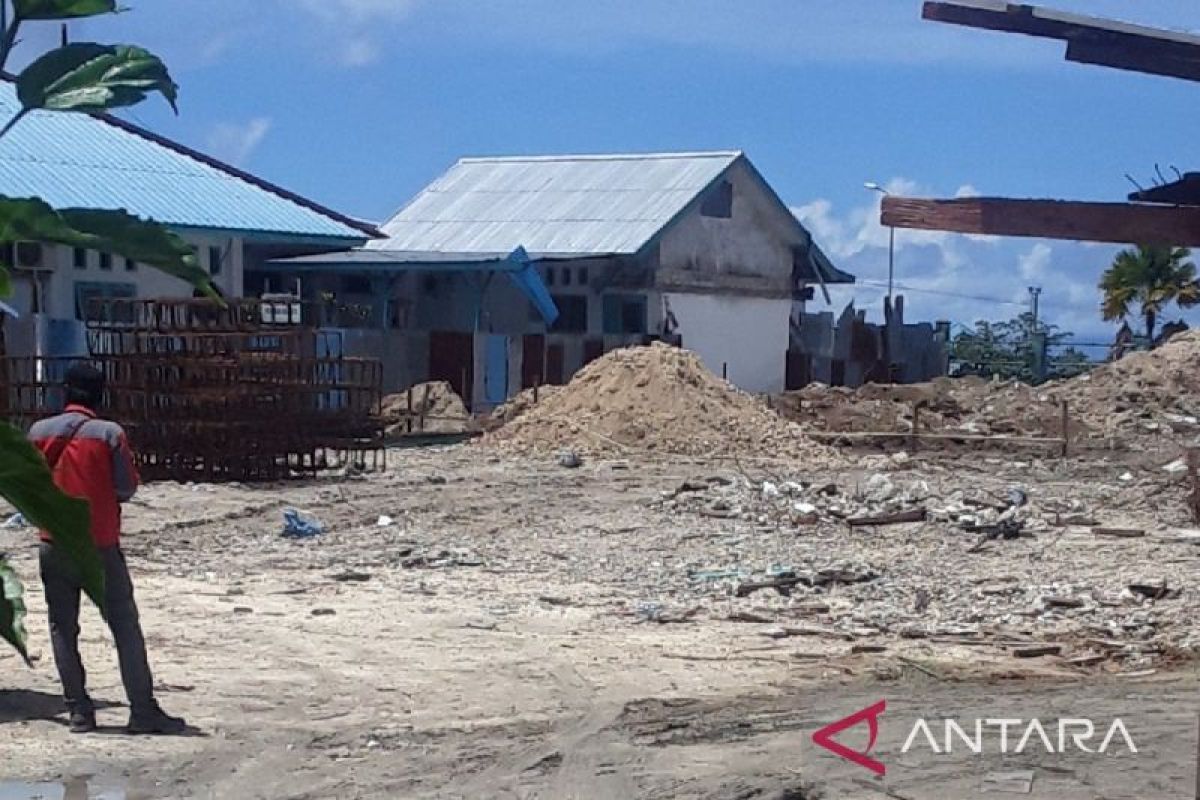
{"points": [[96, 465]]}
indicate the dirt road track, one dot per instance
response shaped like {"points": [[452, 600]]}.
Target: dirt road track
{"points": [[341, 668]]}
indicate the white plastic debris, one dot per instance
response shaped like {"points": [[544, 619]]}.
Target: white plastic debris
{"points": [[15, 521], [1126, 477], [1176, 466], [385, 521], [805, 508], [769, 489]]}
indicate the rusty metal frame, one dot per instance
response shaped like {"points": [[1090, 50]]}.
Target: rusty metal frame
{"points": [[210, 393]]}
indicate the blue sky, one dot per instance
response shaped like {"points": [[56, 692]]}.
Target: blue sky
{"points": [[359, 103]]}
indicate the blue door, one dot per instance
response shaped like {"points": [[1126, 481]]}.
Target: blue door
{"points": [[495, 374]]}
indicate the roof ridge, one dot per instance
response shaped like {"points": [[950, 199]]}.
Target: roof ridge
{"points": [[662, 156]]}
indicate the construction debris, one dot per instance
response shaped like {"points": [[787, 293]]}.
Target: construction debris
{"points": [[297, 526], [1143, 394], [898, 518], [1120, 533], [1037, 651]]}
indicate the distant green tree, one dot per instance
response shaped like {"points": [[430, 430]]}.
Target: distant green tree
{"points": [[1011, 349], [1152, 277]]}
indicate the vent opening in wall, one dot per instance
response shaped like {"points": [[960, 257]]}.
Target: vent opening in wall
{"points": [[718, 203]]}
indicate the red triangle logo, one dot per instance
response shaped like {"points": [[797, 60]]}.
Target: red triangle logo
{"points": [[870, 715]]}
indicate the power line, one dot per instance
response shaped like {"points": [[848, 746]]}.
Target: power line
{"points": [[918, 290], [979, 298]]}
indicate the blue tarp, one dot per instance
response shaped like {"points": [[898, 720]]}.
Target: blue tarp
{"points": [[530, 282]]}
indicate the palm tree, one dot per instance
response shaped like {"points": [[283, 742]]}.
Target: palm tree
{"points": [[1152, 276]]}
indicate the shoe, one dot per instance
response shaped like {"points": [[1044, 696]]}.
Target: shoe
{"points": [[155, 722], [82, 721]]}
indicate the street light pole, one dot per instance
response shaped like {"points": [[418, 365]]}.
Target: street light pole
{"points": [[875, 187], [891, 261]]}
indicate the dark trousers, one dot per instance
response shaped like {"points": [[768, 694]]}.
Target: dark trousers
{"points": [[63, 591]]}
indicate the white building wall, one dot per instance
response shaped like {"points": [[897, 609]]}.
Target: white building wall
{"points": [[750, 252], [62, 276], [59, 278], [746, 335]]}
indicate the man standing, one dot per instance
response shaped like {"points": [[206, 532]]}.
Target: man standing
{"points": [[90, 459]]}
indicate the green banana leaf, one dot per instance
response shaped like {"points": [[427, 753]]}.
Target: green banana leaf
{"points": [[25, 482], [12, 610]]}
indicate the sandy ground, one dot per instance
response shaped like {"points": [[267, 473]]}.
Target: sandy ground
{"points": [[494, 641]]}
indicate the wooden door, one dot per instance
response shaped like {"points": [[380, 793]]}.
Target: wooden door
{"points": [[554, 364], [452, 359], [533, 360]]}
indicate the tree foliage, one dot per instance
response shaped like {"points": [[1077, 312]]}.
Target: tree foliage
{"points": [[84, 77], [94, 77], [61, 9], [1150, 277], [1015, 349]]}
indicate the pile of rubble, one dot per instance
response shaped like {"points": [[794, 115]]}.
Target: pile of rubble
{"points": [[1156, 392], [425, 408], [894, 557], [655, 399], [517, 405], [1150, 393], [970, 406]]}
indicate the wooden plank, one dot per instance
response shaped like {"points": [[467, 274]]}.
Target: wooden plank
{"points": [[1116, 223], [1120, 533], [1049, 23], [1090, 40], [899, 518], [955, 437], [1037, 651]]}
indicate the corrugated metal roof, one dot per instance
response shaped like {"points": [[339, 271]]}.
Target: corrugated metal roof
{"points": [[76, 160], [566, 205]]}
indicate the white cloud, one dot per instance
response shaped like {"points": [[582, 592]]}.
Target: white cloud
{"points": [[791, 31], [354, 28], [861, 230], [359, 52], [236, 142], [1035, 263], [956, 277], [359, 12]]}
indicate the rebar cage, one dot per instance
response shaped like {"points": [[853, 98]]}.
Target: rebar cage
{"points": [[248, 391]]}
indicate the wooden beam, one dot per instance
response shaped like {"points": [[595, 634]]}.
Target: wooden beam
{"points": [[1116, 223], [1091, 40], [1134, 59]]}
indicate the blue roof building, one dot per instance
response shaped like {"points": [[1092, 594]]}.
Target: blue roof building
{"points": [[234, 219]]}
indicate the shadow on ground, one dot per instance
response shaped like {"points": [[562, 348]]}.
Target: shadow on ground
{"points": [[24, 705]]}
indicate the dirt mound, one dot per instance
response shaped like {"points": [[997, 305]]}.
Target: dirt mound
{"points": [[973, 406], [659, 399], [1149, 392], [518, 405], [435, 408]]}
